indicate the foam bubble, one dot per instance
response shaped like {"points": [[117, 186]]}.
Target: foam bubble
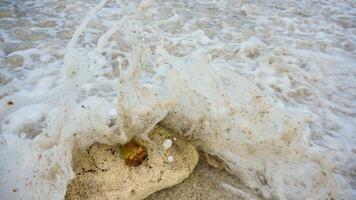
{"points": [[167, 144]]}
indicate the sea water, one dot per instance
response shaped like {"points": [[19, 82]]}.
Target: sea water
{"points": [[267, 86]]}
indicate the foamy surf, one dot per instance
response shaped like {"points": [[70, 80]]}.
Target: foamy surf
{"points": [[248, 82]]}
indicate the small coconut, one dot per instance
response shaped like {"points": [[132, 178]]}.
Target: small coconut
{"points": [[133, 153]]}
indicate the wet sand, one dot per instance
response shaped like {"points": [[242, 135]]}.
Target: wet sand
{"points": [[205, 183]]}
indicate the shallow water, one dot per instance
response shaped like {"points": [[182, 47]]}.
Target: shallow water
{"points": [[288, 65]]}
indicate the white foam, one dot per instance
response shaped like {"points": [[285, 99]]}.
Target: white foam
{"points": [[249, 83], [170, 158], [167, 144]]}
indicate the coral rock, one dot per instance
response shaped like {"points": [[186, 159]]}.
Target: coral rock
{"points": [[101, 172]]}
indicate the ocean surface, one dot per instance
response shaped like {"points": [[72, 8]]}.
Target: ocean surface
{"points": [[267, 86]]}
